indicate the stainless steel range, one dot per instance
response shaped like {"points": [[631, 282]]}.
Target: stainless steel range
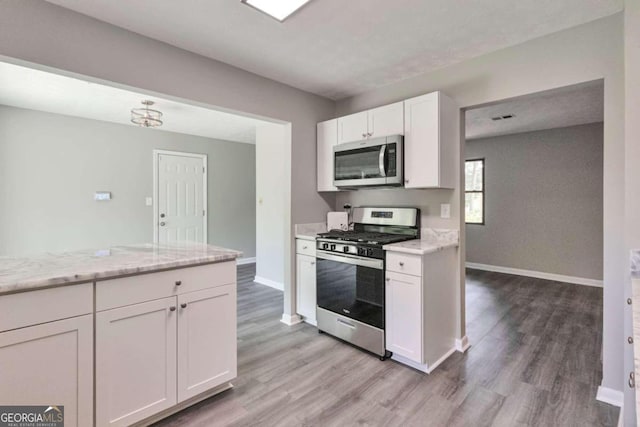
{"points": [[350, 274]]}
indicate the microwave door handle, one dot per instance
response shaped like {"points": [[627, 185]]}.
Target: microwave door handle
{"points": [[383, 169]]}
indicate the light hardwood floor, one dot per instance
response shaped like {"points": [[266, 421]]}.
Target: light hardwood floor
{"points": [[534, 360]]}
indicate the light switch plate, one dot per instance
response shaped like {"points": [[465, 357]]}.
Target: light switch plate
{"points": [[148, 201], [445, 210], [101, 196]]}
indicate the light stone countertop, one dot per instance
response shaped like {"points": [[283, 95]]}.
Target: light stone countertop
{"points": [[309, 231], [18, 274], [431, 240]]}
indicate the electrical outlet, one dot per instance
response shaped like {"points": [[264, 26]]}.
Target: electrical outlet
{"points": [[445, 210]]}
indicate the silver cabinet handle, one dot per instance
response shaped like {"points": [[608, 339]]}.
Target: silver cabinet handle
{"points": [[388, 279], [172, 308], [162, 215], [632, 379], [629, 301], [183, 305], [369, 134], [630, 340], [364, 135], [178, 282], [162, 224], [313, 263], [305, 247], [406, 181], [401, 264]]}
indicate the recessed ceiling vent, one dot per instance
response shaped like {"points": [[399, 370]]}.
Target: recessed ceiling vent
{"points": [[505, 117]]}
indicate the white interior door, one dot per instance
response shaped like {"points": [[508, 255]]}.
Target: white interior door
{"points": [[181, 208]]}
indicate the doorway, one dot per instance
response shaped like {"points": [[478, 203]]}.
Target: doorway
{"points": [[180, 197]]}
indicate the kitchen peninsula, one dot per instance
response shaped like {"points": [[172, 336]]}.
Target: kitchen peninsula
{"points": [[151, 328]]}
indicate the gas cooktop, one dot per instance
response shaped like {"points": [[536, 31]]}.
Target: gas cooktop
{"points": [[370, 238]]}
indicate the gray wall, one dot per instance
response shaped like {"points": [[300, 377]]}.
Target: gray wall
{"points": [[543, 201], [90, 48], [584, 53], [51, 165]]}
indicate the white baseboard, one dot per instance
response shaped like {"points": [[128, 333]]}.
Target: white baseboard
{"points": [[537, 274], [243, 261], [462, 344], [610, 396], [268, 282], [420, 366], [291, 319]]}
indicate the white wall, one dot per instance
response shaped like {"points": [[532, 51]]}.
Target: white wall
{"points": [[51, 165], [588, 52], [270, 205], [75, 43], [543, 201]]}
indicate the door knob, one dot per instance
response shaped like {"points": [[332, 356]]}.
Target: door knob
{"points": [[162, 224], [161, 215]]}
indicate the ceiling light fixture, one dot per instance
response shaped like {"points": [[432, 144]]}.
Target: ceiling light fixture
{"points": [[278, 9], [145, 116]]}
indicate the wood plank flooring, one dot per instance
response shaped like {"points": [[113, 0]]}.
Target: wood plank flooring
{"points": [[534, 360]]}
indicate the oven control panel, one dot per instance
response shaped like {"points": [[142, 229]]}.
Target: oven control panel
{"points": [[348, 248], [341, 248]]}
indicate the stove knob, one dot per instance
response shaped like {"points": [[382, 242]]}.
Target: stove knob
{"points": [[333, 247], [362, 251], [370, 252], [345, 249], [325, 246]]}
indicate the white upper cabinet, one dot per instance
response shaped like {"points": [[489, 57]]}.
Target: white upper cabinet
{"points": [[431, 141], [386, 120], [352, 127], [327, 138], [378, 122]]}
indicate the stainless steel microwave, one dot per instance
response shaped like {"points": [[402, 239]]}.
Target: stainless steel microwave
{"points": [[375, 162]]}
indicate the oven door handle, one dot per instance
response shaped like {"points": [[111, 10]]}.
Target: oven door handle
{"points": [[378, 264]]}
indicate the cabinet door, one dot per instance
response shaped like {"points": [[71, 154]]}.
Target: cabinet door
{"points": [[422, 141], [306, 287], [50, 364], [403, 315], [386, 120], [207, 343], [352, 127], [327, 138], [135, 361]]}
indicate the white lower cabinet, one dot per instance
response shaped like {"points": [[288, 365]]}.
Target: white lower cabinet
{"points": [[207, 347], [306, 280], [403, 315], [50, 364], [136, 349], [306, 289], [421, 306], [155, 357]]}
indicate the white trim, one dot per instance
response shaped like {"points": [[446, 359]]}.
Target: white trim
{"points": [[462, 344], [621, 417], [156, 220], [537, 274], [268, 282], [291, 320], [423, 367], [243, 261], [610, 396]]}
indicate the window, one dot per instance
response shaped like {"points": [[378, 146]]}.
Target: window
{"points": [[474, 191]]}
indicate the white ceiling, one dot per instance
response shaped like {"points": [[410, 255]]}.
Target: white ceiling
{"points": [[39, 90], [568, 106], [338, 48]]}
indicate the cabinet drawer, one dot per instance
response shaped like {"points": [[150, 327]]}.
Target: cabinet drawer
{"points": [[146, 287], [45, 305], [306, 247], [404, 263]]}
